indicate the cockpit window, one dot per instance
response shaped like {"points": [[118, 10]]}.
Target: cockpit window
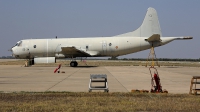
{"points": [[19, 43]]}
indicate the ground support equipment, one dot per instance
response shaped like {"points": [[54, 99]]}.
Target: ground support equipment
{"points": [[155, 81], [57, 69], [194, 82], [97, 78], [152, 57]]}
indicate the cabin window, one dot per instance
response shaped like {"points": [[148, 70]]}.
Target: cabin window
{"points": [[86, 47], [110, 44], [34, 46]]}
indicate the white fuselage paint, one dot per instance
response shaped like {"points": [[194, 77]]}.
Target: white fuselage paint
{"points": [[104, 46]]}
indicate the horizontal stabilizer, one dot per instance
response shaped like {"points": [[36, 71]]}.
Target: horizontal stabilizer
{"points": [[153, 38]]}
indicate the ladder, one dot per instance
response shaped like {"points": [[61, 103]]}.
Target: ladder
{"points": [[195, 90], [97, 78]]}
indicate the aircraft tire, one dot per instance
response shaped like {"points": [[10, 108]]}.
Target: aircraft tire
{"points": [[72, 64], [76, 64]]}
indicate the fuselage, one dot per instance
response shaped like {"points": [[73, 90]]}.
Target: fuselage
{"points": [[102, 46]]}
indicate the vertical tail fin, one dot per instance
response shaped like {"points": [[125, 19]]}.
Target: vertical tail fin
{"points": [[149, 26]]}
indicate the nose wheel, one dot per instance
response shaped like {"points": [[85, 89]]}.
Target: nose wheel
{"points": [[73, 64]]}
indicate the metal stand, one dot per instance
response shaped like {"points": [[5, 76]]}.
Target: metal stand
{"points": [[155, 79], [98, 78], [152, 56], [194, 82]]}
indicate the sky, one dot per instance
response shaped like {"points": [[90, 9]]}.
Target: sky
{"points": [[34, 19]]}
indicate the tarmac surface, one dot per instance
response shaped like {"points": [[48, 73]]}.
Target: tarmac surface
{"points": [[14, 78]]}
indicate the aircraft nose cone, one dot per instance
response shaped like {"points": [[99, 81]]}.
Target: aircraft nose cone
{"points": [[13, 55], [13, 50]]}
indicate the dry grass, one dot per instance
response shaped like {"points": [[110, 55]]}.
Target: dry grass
{"points": [[91, 102], [106, 63]]}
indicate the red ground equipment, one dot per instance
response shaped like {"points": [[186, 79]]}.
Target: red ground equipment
{"points": [[57, 69], [155, 80]]}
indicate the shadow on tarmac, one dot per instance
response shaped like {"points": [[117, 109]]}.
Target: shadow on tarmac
{"points": [[86, 66]]}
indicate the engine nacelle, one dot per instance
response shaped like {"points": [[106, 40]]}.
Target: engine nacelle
{"points": [[45, 60]]}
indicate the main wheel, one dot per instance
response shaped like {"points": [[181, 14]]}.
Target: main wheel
{"points": [[72, 64], [76, 64]]}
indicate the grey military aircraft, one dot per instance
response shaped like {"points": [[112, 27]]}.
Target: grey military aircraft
{"points": [[48, 50]]}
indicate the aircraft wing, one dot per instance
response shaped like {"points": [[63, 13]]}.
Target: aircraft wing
{"points": [[74, 51]]}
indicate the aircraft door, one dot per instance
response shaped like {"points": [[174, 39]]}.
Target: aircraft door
{"points": [[26, 49], [49, 48], [104, 47]]}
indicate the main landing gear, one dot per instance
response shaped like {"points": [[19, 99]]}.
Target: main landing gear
{"points": [[73, 64]]}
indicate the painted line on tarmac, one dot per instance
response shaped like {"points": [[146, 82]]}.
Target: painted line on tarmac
{"points": [[116, 79], [62, 80]]}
